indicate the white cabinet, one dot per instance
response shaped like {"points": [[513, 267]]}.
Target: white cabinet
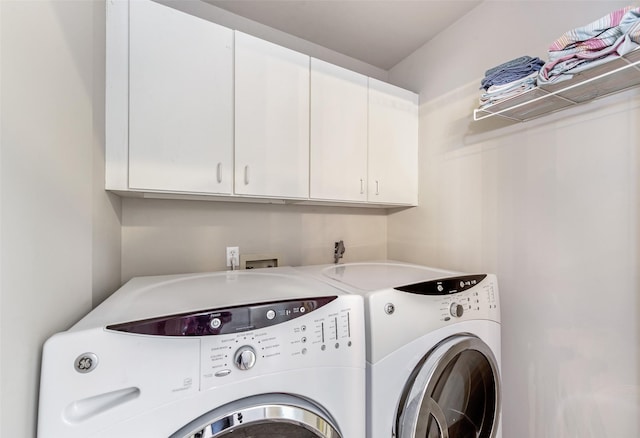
{"points": [[180, 101], [194, 108], [393, 144], [338, 141], [271, 119], [169, 100]]}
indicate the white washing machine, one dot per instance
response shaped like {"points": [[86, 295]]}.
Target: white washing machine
{"points": [[264, 353], [433, 348]]}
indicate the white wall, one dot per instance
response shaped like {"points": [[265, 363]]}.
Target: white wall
{"points": [[50, 78], [107, 208], [551, 206], [168, 237]]}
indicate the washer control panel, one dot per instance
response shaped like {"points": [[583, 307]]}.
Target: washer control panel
{"points": [[223, 321], [328, 335]]}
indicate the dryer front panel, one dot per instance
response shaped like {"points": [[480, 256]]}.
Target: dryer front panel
{"points": [[454, 392]]}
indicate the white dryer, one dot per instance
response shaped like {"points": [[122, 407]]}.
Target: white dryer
{"points": [[433, 348], [263, 353]]}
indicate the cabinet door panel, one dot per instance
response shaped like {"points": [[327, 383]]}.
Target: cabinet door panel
{"points": [[181, 101], [393, 144], [338, 133], [271, 119]]}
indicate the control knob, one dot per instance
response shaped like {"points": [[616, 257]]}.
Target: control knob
{"points": [[245, 358], [456, 310]]}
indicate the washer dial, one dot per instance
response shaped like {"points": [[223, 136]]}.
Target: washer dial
{"points": [[245, 358]]}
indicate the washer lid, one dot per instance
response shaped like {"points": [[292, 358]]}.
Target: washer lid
{"points": [[381, 275], [149, 297]]}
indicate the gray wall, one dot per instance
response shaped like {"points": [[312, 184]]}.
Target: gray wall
{"points": [[551, 206], [60, 232]]}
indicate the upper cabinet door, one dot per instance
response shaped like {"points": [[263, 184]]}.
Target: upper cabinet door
{"points": [[271, 119], [180, 102], [393, 144], [338, 133]]}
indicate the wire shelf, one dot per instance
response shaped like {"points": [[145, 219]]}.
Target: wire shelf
{"points": [[602, 80]]}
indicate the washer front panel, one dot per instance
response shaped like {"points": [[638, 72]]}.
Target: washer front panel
{"points": [[454, 392], [138, 375]]}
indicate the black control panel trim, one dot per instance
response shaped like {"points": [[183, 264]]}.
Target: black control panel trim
{"points": [[222, 321], [444, 286]]}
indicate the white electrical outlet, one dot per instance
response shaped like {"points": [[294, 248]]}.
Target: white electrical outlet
{"points": [[233, 257]]}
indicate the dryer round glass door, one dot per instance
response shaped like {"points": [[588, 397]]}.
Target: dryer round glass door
{"points": [[265, 416], [453, 393]]}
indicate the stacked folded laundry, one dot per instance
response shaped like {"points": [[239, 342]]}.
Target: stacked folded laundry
{"points": [[599, 42], [509, 79], [610, 37]]}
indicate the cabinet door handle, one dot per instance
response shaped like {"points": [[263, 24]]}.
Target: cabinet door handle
{"points": [[361, 186], [219, 173], [246, 175], [377, 187]]}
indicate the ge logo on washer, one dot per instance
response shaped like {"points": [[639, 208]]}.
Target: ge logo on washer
{"points": [[86, 362]]}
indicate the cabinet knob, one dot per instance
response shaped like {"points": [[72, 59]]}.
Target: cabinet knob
{"points": [[219, 173], [246, 175], [377, 187]]}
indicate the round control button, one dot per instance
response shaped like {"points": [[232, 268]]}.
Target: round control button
{"points": [[245, 358], [215, 323], [440, 288], [303, 328], [337, 345], [271, 314], [456, 310], [303, 339], [302, 309], [304, 351], [324, 347]]}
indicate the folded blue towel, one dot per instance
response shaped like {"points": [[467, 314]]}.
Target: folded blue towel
{"points": [[511, 71]]}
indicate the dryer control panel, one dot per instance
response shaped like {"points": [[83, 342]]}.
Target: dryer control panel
{"points": [[459, 297], [444, 286]]}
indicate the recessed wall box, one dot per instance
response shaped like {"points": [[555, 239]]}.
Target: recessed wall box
{"points": [[255, 261]]}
